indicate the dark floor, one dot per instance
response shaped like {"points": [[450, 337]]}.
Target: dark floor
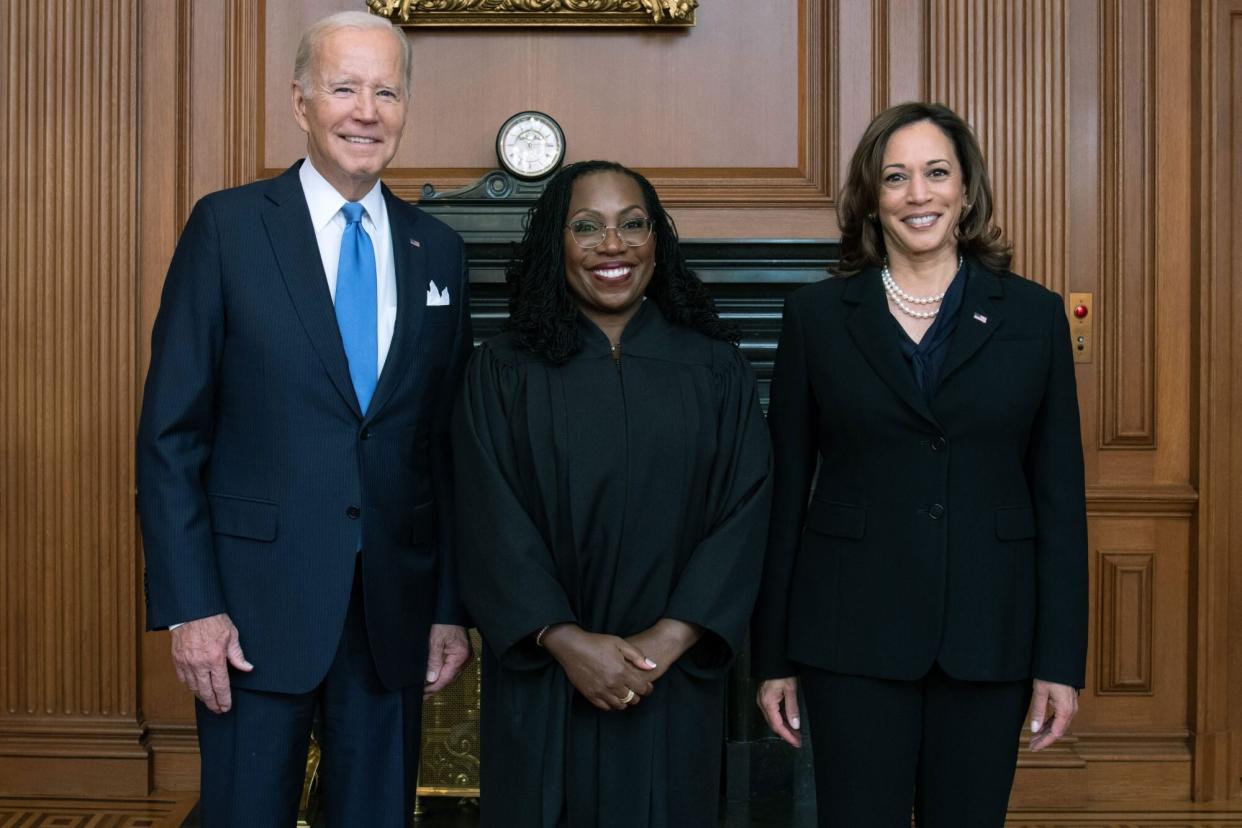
{"points": [[440, 812], [444, 813]]}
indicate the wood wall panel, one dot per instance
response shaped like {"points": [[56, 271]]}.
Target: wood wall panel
{"points": [[1218, 609], [737, 110], [68, 370], [1124, 622], [1127, 215], [170, 165], [1001, 66], [243, 76]]}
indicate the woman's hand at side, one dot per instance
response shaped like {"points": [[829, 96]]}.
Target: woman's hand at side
{"points": [[603, 668], [778, 699], [1063, 699]]}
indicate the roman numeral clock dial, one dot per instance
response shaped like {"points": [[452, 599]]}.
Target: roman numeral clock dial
{"points": [[530, 145]]}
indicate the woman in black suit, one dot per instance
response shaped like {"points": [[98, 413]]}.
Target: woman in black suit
{"points": [[935, 576]]}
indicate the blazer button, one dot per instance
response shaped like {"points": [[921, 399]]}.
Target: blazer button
{"points": [[353, 513], [935, 511], [366, 434], [938, 443]]}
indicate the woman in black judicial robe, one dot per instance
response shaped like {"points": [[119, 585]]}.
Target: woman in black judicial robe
{"points": [[612, 467]]}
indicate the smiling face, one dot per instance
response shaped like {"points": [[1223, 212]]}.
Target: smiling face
{"points": [[608, 281], [354, 109], [922, 193]]}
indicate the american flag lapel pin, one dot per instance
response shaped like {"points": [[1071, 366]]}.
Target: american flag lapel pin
{"points": [[980, 318], [415, 243]]}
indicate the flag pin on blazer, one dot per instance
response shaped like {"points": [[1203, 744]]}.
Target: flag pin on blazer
{"points": [[981, 318], [415, 243]]}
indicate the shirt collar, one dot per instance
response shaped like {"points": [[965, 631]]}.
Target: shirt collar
{"points": [[325, 203]]}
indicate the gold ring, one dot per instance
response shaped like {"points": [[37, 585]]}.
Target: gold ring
{"points": [[629, 697]]}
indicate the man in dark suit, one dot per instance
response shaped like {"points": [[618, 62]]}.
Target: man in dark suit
{"points": [[293, 458]]}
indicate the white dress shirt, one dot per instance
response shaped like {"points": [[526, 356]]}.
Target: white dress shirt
{"points": [[325, 204]]}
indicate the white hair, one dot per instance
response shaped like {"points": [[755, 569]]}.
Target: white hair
{"points": [[312, 37]]}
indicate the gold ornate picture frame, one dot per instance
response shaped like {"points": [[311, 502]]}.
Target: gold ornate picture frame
{"points": [[679, 13]]}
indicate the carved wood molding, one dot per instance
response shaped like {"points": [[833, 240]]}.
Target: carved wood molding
{"points": [[1218, 577], [1124, 623], [536, 12], [812, 183], [1001, 66], [185, 133], [1170, 501], [72, 755], [1124, 819], [1127, 215], [880, 39], [244, 32], [68, 658]]}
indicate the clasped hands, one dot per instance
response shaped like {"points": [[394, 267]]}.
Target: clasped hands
{"points": [[612, 672], [203, 650]]}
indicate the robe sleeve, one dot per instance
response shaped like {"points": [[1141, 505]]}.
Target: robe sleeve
{"points": [[718, 586], [506, 572]]}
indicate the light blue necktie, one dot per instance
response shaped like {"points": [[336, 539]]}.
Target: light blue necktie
{"points": [[355, 304]]}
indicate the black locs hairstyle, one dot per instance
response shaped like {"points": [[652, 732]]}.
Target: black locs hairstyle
{"points": [[542, 310]]}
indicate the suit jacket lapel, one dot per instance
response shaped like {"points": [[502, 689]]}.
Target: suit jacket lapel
{"points": [[288, 225], [871, 326], [978, 320], [410, 266]]}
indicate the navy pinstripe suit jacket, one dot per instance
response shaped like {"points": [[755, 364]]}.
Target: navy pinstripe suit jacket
{"points": [[258, 475]]}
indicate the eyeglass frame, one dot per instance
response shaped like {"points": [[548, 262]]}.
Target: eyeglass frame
{"points": [[617, 229]]}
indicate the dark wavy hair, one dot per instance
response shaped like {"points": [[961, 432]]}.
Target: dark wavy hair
{"points": [[862, 238], [542, 309]]}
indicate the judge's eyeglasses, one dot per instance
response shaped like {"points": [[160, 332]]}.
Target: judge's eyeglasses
{"points": [[589, 233]]}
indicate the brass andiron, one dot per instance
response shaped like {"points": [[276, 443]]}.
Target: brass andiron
{"points": [[449, 765]]}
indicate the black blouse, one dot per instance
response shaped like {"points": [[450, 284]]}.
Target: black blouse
{"points": [[927, 355]]}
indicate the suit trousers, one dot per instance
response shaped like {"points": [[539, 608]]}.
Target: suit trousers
{"points": [[254, 756], [944, 748]]}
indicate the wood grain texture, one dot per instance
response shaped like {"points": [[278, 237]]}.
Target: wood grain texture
{"points": [[735, 112], [1127, 216], [67, 305], [1124, 622], [1001, 66], [1218, 610], [244, 37]]}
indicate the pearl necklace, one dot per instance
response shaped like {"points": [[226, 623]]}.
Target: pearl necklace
{"points": [[900, 297]]}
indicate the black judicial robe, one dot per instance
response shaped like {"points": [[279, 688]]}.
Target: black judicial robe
{"points": [[609, 493]]}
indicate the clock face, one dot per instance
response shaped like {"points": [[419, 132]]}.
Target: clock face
{"points": [[530, 145]]}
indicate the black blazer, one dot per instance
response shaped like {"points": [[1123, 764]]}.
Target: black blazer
{"points": [[952, 531], [258, 476]]}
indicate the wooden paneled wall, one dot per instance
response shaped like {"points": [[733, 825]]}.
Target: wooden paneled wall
{"points": [[1112, 129], [69, 372]]}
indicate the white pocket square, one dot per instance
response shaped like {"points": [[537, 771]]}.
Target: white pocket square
{"points": [[436, 296]]}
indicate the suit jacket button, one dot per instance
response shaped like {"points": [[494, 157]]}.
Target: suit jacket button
{"points": [[366, 434], [353, 513], [936, 511], [938, 443]]}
